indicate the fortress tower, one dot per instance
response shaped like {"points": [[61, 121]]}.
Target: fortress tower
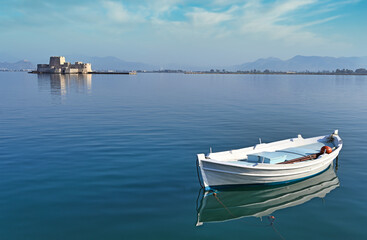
{"points": [[57, 61]]}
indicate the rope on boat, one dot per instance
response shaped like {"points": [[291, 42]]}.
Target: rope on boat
{"points": [[197, 171]]}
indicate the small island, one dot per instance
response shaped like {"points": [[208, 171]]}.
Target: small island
{"points": [[58, 65]]}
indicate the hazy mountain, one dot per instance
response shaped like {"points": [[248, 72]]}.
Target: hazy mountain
{"points": [[305, 63], [6, 57], [184, 67], [20, 65], [111, 63]]}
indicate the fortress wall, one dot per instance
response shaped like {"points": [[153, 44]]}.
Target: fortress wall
{"points": [[43, 67], [70, 70], [88, 67], [55, 70], [82, 67]]}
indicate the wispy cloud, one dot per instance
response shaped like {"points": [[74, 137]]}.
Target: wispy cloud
{"points": [[200, 16], [117, 12]]}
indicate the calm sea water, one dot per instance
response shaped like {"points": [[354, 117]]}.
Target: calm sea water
{"points": [[113, 156]]}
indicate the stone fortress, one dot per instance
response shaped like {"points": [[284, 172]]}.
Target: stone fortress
{"points": [[58, 65]]}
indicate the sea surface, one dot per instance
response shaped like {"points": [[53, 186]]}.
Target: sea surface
{"points": [[113, 156]]}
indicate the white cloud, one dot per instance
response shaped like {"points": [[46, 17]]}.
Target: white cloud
{"points": [[204, 17], [278, 21], [160, 7], [118, 12], [320, 21], [284, 7]]}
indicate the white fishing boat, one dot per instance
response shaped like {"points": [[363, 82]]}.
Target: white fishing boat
{"points": [[270, 163]]}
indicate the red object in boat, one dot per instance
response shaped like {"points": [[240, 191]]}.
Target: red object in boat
{"points": [[326, 149]]}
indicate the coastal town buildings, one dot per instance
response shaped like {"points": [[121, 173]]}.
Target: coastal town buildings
{"points": [[59, 65]]}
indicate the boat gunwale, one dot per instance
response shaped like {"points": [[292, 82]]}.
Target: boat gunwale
{"points": [[275, 167]]}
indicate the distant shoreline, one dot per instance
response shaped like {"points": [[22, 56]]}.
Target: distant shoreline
{"points": [[94, 72], [278, 73], [208, 72]]}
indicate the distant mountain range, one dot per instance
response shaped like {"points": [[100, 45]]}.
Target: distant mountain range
{"points": [[304, 63], [111, 63], [297, 64], [20, 65]]}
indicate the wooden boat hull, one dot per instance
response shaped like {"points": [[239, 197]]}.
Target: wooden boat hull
{"points": [[219, 173]]}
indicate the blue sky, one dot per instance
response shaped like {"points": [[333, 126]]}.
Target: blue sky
{"points": [[204, 33]]}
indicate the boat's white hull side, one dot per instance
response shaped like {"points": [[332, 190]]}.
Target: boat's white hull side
{"points": [[219, 173]]}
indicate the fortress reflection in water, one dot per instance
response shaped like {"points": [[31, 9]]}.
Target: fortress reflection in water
{"points": [[62, 84]]}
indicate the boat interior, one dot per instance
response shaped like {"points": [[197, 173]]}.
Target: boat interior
{"points": [[287, 154], [281, 152]]}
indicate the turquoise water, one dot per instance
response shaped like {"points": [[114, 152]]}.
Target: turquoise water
{"points": [[113, 156]]}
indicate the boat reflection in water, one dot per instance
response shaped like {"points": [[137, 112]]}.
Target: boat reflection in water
{"points": [[61, 84], [262, 201]]}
